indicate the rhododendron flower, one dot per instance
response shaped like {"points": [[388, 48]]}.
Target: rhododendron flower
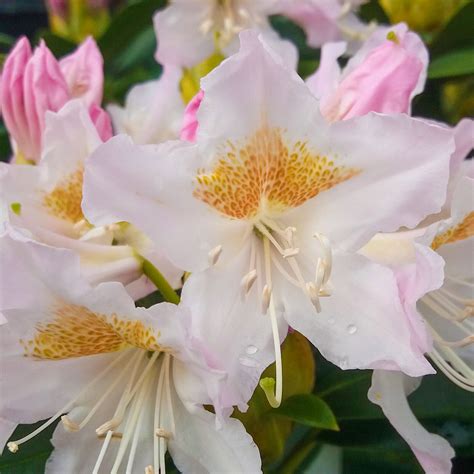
{"points": [[440, 313], [189, 31], [270, 182], [328, 20], [45, 201], [153, 110], [33, 83], [384, 76], [190, 124], [122, 379]]}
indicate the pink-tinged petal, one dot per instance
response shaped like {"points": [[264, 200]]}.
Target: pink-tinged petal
{"points": [[364, 309], [102, 122], [319, 20], [383, 82], [190, 122], [83, 71], [181, 40], [389, 390], [408, 40], [12, 97], [326, 79], [45, 89], [402, 179]]}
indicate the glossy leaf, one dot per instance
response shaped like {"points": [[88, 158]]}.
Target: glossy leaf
{"points": [[308, 409], [457, 63]]}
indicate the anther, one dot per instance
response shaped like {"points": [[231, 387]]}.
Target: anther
{"points": [[289, 233], [107, 426], [266, 297], [247, 281], [313, 295], [70, 425], [12, 447], [149, 470], [214, 254], [115, 434], [290, 253], [162, 433]]}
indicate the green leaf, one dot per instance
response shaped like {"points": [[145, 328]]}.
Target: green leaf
{"points": [[308, 409], [457, 63], [457, 33], [289, 30], [59, 46], [32, 456], [126, 28]]}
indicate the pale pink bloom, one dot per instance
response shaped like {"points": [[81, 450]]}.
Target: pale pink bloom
{"points": [[270, 187], [44, 201], [189, 31], [328, 20], [434, 269], [190, 123], [128, 384], [153, 110], [383, 76], [34, 83]]}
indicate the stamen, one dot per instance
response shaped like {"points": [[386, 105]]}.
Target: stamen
{"points": [[273, 399], [290, 252], [313, 295], [162, 433], [103, 450], [327, 258], [214, 254], [156, 420], [266, 297], [14, 445], [149, 470], [247, 281], [70, 425]]}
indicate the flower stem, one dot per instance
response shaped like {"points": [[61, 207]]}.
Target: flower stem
{"points": [[160, 282]]}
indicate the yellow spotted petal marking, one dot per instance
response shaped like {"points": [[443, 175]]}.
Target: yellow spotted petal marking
{"points": [[64, 201], [267, 173], [75, 331], [461, 231]]}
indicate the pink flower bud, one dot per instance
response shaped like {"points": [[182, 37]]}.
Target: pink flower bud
{"points": [[383, 82], [11, 94], [83, 71], [44, 88], [190, 123], [34, 83], [102, 122]]}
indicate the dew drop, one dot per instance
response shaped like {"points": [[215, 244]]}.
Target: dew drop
{"points": [[251, 350], [351, 329], [247, 362]]}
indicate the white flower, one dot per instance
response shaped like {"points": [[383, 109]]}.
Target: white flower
{"points": [[128, 383], [270, 183]]}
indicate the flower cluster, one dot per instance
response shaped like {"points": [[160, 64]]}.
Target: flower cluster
{"points": [[268, 203]]}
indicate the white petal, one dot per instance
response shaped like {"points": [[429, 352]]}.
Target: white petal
{"points": [[389, 391], [402, 178], [362, 324]]}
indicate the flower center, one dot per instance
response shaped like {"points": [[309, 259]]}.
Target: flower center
{"points": [[228, 18], [266, 175], [450, 306], [461, 231], [64, 201]]}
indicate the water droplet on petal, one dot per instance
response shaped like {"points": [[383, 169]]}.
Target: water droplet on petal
{"points": [[251, 350], [351, 329], [247, 362]]}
